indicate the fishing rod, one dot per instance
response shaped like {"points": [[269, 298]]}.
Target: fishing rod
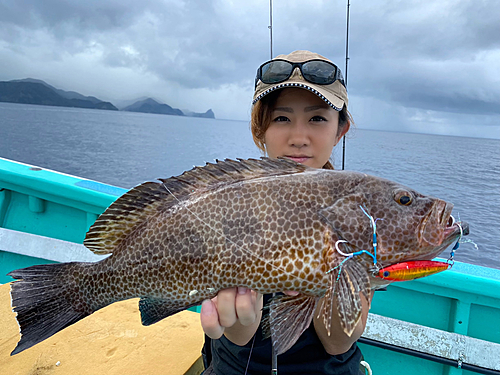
{"points": [[345, 78], [270, 27], [274, 356]]}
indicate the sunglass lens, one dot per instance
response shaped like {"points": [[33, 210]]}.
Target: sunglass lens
{"points": [[319, 72], [276, 71]]}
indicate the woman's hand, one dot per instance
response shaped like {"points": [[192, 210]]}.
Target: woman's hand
{"points": [[234, 313]]}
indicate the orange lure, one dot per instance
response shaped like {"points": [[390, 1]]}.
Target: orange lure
{"points": [[412, 270]]}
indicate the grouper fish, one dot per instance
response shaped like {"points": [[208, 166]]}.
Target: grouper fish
{"points": [[269, 225]]}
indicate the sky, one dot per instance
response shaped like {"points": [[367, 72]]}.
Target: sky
{"points": [[415, 65]]}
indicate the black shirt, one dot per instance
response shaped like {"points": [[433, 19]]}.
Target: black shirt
{"points": [[307, 356]]}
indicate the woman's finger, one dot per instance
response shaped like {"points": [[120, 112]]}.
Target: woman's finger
{"points": [[210, 320], [226, 307], [246, 308]]}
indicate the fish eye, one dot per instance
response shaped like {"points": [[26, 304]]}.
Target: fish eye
{"points": [[403, 197]]}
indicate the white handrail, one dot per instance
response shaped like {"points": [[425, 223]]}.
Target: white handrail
{"points": [[48, 248], [460, 348]]}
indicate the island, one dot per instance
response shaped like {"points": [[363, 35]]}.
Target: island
{"points": [[35, 91]]}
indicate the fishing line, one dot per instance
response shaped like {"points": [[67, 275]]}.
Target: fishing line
{"points": [[250, 355], [459, 240], [373, 224], [451, 260]]}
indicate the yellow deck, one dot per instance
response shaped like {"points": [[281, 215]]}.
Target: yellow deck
{"points": [[110, 341]]}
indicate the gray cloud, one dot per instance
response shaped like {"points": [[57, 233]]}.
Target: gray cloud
{"points": [[414, 55], [72, 17]]}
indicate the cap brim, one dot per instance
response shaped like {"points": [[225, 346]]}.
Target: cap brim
{"points": [[331, 98]]}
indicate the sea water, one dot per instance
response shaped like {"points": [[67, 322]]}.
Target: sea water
{"points": [[126, 148]]}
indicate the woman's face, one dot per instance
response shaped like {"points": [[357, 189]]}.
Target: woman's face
{"points": [[303, 128]]}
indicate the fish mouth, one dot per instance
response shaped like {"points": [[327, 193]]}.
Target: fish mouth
{"points": [[436, 225], [453, 232], [452, 229], [438, 230]]}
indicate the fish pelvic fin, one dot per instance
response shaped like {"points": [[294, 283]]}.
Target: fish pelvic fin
{"points": [[288, 318], [154, 309], [345, 287], [45, 302], [133, 209]]}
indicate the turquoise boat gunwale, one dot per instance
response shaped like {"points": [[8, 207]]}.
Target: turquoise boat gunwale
{"points": [[465, 301]]}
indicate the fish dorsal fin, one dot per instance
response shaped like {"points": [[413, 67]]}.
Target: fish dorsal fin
{"points": [[288, 318], [137, 205], [231, 171], [120, 219], [344, 291]]}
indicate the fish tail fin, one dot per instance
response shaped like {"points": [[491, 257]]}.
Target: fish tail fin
{"points": [[45, 301]]}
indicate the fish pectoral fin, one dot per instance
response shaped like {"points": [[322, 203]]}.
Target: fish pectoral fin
{"points": [[155, 309], [346, 289], [288, 318]]}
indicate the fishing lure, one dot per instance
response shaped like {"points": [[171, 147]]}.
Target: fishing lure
{"points": [[412, 270]]}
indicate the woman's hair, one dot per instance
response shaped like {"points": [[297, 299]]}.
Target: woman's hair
{"points": [[261, 119]]}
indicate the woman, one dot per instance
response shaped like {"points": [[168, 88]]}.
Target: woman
{"points": [[299, 112]]}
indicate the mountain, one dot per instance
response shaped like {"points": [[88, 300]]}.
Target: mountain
{"points": [[152, 106], [35, 91], [31, 91], [149, 105], [207, 114], [121, 104], [64, 94]]}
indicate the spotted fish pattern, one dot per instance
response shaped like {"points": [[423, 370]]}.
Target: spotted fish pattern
{"points": [[269, 225]]}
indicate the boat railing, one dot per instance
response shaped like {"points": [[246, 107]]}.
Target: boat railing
{"points": [[442, 324]]}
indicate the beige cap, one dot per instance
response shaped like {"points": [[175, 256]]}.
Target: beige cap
{"points": [[334, 95]]}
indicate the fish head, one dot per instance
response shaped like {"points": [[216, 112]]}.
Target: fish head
{"points": [[393, 221]]}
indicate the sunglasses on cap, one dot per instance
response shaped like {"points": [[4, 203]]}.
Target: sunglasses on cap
{"points": [[316, 71]]}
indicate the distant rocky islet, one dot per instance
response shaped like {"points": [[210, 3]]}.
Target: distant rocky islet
{"points": [[34, 91], [152, 106]]}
